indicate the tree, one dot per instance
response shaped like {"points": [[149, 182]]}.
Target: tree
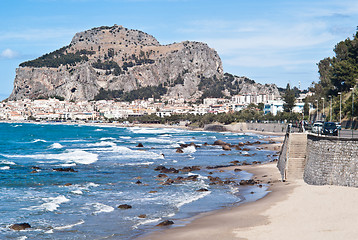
{"points": [[289, 99]]}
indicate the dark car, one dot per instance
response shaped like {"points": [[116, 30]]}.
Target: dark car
{"points": [[330, 128]]}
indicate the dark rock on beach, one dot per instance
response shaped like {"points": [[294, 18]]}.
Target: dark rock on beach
{"points": [[140, 145], [165, 223], [20, 226]]}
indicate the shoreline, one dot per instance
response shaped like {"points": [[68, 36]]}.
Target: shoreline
{"points": [[221, 224]]}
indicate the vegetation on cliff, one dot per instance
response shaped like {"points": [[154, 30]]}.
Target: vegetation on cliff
{"points": [[57, 58], [140, 93]]}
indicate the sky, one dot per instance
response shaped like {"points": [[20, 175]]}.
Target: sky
{"points": [[269, 41]]}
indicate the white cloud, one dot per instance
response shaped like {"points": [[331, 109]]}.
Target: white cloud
{"points": [[9, 54]]}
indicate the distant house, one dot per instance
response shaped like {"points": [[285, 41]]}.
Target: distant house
{"points": [[273, 106]]}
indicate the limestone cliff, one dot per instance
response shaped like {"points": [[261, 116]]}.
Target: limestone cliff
{"points": [[117, 59]]}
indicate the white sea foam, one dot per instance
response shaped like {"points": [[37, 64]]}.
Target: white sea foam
{"points": [[189, 197], [70, 156], [66, 164], [125, 137], [91, 184], [77, 192], [101, 144], [7, 162], [5, 168], [69, 226], [124, 152], [50, 204], [190, 149], [136, 164], [38, 140], [146, 221], [102, 208], [107, 138], [56, 146], [154, 130], [98, 130], [157, 140]]}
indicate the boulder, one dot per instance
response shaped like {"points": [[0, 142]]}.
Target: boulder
{"points": [[64, 170], [165, 223], [142, 216], [124, 206], [140, 145], [20, 226], [226, 148], [202, 190], [220, 143], [179, 150]]}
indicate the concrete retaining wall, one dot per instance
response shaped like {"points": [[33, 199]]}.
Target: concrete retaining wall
{"points": [[331, 160]]}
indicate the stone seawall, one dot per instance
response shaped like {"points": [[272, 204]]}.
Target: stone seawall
{"points": [[331, 160], [260, 127]]}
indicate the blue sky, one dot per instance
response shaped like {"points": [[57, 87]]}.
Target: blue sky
{"points": [[273, 41]]}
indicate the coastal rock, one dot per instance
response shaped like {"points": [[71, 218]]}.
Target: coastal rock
{"points": [[226, 148], [248, 182], [124, 206], [165, 223], [64, 170], [142, 216], [20, 226], [140, 145], [220, 143], [202, 190], [162, 175], [179, 150], [190, 169]]}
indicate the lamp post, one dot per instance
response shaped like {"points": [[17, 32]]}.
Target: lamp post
{"points": [[317, 110], [340, 107], [323, 110], [330, 108], [352, 109]]}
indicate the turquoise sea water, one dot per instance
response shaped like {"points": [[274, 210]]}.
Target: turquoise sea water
{"points": [[107, 164]]}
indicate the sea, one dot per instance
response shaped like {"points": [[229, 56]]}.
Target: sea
{"points": [[105, 169]]}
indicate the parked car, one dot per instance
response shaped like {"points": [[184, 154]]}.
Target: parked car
{"points": [[317, 127], [330, 128]]}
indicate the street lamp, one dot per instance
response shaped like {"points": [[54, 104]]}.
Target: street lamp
{"points": [[330, 108], [323, 110], [340, 107], [352, 108], [317, 110]]}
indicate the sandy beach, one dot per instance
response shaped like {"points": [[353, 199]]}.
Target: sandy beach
{"points": [[292, 210]]}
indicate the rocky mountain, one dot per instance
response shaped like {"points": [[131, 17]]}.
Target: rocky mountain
{"points": [[116, 62]]}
